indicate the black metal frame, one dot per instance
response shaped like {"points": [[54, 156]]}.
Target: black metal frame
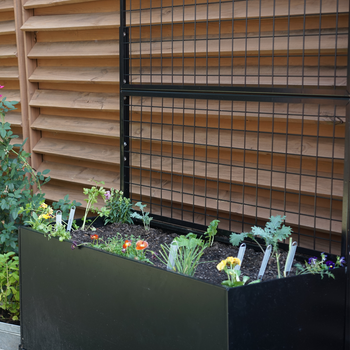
{"points": [[232, 93]]}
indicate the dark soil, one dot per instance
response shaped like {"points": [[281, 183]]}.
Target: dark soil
{"points": [[207, 271]]}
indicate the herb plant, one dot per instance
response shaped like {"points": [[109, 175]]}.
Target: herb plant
{"points": [[118, 206], [146, 219], [190, 250], [322, 266], [212, 231], [228, 265], [272, 234], [9, 284], [17, 179], [93, 193], [65, 205]]}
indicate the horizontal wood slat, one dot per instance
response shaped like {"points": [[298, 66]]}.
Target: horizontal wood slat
{"points": [[6, 5], [31, 4], [82, 126], [72, 22], [84, 75], [80, 175], [76, 100], [78, 150], [8, 51], [15, 119], [81, 49], [9, 73], [7, 28]]}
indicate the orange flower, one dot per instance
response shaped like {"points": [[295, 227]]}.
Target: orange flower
{"points": [[141, 245], [94, 236], [126, 244]]}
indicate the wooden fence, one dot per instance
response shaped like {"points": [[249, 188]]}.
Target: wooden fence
{"points": [[60, 58]]}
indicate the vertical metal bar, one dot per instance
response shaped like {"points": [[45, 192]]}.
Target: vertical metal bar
{"points": [[124, 101], [345, 247]]}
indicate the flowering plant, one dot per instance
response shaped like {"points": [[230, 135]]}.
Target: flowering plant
{"points": [[228, 265], [118, 207], [17, 179], [322, 266], [132, 247]]}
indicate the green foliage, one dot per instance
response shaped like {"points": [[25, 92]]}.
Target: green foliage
{"points": [[9, 284], [190, 250], [146, 219], [93, 194], [272, 234], [119, 207], [212, 231], [129, 248], [65, 205], [17, 179]]}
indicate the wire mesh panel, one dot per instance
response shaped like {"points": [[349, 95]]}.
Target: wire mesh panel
{"points": [[241, 162], [264, 44]]}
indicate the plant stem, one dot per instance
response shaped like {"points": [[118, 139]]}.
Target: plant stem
{"points": [[278, 264]]}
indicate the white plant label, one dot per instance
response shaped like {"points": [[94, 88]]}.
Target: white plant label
{"points": [[172, 255], [290, 257], [264, 262], [58, 217], [71, 217], [240, 255]]}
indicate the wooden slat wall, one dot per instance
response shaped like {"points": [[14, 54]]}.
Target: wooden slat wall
{"points": [[67, 78], [74, 101]]}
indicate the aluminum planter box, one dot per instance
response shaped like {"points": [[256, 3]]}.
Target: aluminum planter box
{"points": [[87, 299]]}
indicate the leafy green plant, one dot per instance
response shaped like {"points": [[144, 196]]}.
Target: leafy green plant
{"points": [[93, 193], [272, 234], [17, 179], [233, 276], [132, 248], [9, 284], [43, 220], [144, 216], [118, 206], [321, 267], [212, 231], [65, 205], [190, 250]]}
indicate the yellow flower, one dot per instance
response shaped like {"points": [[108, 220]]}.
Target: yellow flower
{"points": [[220, 266], [233, 261], [50, 210], [45, 216], [43, 205]]}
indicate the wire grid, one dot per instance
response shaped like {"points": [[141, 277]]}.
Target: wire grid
{"points": [[248, 44], [240, 162]]}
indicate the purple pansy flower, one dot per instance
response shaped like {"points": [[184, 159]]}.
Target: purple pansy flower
{"points": [[330, 264], [312, 261], [342, 261]]}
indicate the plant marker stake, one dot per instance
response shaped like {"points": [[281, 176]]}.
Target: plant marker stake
{"points": [[172, 255], [70, 220], [290, 257], [58, 217], [264, 262], [240, 255]]}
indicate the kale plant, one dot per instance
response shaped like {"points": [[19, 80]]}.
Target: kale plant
{"points": [[144, 216], [273, 233]]}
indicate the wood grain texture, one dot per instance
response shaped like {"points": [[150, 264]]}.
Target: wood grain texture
{"points": [[8, 51], [15, 119], [11, 95], [32, 4], [83, 75], [76, 100], [72, 22], [9, 73], [78, 150], [81, 175], [6, 5], [81, 126], [7, 27], [86, 49]]}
